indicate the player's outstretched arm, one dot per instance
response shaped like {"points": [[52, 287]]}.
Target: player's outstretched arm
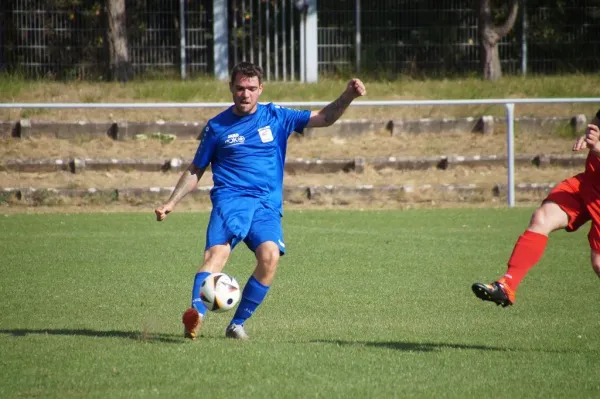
{"points": [[187, 183], [332, 112]]}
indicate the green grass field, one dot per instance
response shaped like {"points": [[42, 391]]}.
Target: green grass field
{"points": [[365, 305]]}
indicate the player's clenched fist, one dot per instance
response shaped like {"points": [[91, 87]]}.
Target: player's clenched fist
{"points": [[592, 137], [162, 212], [356, 87]]}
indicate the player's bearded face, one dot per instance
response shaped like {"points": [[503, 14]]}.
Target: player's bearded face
{"points": [[245, 91]]}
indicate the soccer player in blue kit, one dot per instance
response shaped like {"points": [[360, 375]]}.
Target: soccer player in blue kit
{"points": [[246, 146]]}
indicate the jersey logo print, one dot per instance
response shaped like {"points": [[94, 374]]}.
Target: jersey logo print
{"points": [[265, 133], [234, 139]]}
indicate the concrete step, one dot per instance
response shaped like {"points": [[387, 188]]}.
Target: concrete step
{"points": [[124, 130], [293, 165], [293, 194]]}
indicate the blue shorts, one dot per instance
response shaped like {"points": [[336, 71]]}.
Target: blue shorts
{"points": [[244, 219]]}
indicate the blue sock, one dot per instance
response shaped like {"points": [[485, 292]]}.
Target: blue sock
{"points": [[196, 301], [252, 296]]}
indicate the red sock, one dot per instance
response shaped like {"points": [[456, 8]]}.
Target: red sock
{"points": [[528, 250]]}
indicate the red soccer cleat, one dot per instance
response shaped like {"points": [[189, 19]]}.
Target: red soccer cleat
{"points": [[498, 292], [191, 320]]}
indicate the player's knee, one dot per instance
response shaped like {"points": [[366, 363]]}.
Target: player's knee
{"points": [[268, 257], [538, 218], [547, 218]]}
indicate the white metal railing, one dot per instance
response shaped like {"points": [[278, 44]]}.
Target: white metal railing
{"points": [[509, 105]]}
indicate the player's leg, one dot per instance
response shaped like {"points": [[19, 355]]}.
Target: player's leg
{"points": [[215, 258], [227, 225], [530, 246], [563, 208], [593, 207], [596, 262], [265, 238], [527, 251]]}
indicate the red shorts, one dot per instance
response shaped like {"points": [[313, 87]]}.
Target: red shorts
{"points": [[579, 206]]}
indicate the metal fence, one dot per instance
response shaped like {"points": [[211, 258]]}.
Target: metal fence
{"points": [[54, 38], [155, 35], [268, 33], [441, 38], [50, 42], [399, 36]]}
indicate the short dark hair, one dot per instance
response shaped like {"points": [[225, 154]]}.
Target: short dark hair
{"points": [[247, 69]]}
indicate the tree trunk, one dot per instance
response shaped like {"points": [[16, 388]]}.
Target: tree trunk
{"points": [[492, 68], [120, 67], [490, 35]]}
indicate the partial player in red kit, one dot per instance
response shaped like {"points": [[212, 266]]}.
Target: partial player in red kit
{"points": [[569, 205]]}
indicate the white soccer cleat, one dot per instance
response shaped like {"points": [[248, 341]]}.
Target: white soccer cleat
{"points": [[236, 331]]}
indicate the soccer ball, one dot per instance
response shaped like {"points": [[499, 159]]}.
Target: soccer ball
{"points": [[220, 292]]}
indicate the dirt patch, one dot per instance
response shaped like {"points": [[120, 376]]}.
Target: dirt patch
{"points": [[368, 145], [484, 175], [187, 206]]}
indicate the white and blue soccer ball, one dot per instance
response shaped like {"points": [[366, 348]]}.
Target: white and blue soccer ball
{"points": [[220, 292]]}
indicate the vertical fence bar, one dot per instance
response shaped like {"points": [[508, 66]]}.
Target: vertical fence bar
{"points": [[251, 31], [221, 39], [35, 56], [303, 46], [311, 41], [510, 148], [283, 39], [243, 35], [276, 39], [235, 32], [260, 39], [292, 48], [268, 40], [524, 39], [357, 38], [39, 41], [182, 37], [152, 37]]}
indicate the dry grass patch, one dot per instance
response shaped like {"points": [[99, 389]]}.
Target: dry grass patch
{"points": [[368, 145], [459, 175]]}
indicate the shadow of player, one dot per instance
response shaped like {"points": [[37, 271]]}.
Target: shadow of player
{"points": [[142, 336]]}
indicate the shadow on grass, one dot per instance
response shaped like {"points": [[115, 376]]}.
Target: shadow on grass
{"points": [[414, 346], [141, 336]]}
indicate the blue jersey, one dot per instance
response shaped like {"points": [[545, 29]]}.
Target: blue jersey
{"points": [[247, 153]]}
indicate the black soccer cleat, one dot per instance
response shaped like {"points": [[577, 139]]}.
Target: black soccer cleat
{"points": [[496, 292]]}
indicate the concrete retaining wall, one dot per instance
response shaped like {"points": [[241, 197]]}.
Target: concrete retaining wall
{"points": [[191, 130], [293, 166], [292, 194]]}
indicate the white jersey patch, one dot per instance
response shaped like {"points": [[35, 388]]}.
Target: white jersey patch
{"points": [[265, 133]]}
